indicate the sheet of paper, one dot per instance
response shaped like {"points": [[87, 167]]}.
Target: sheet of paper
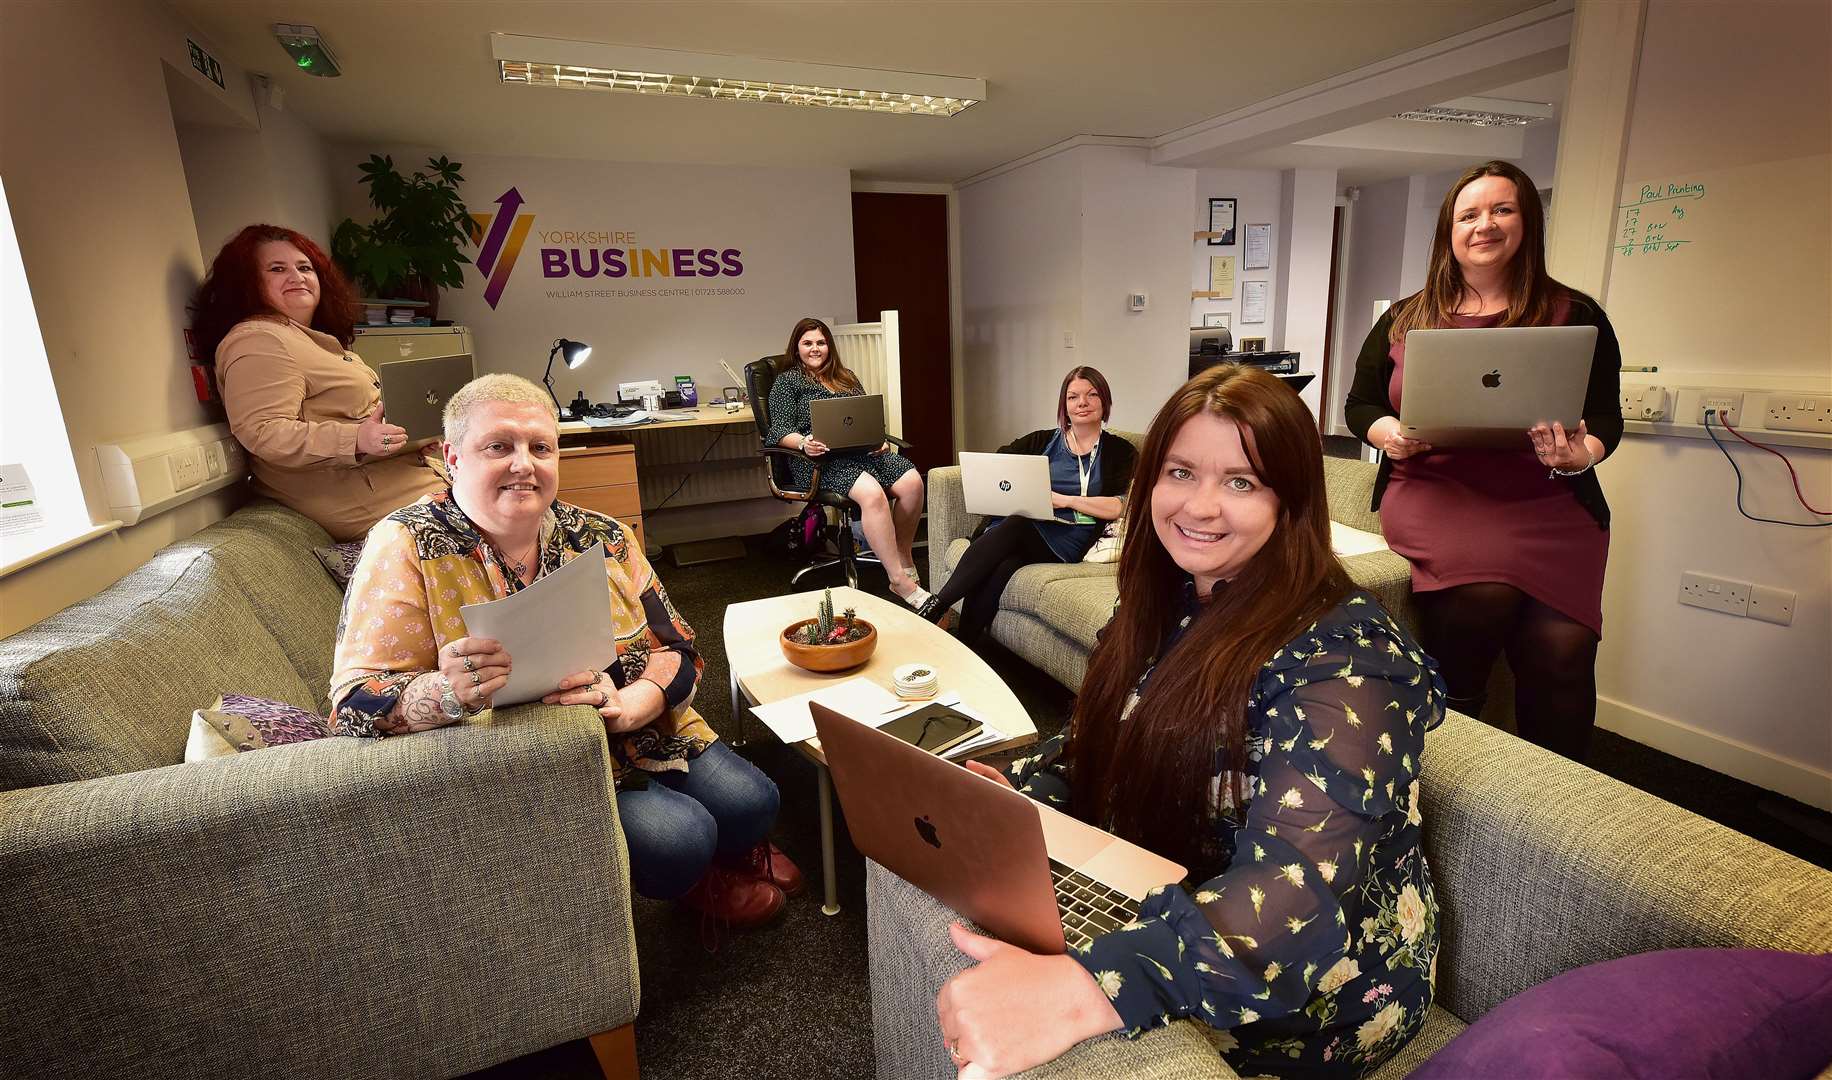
{"points": [[19, 511], [1347, 541], [1253, 302], [637, 417], [1259, 248], [558, 626], [1221, 276], [858, 698]]}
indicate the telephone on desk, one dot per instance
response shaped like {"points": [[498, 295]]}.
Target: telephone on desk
{"points": [[581, 407]]}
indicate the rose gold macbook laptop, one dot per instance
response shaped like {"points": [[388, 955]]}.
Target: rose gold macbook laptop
{"points": [[1486, 387], [1026, 873]]}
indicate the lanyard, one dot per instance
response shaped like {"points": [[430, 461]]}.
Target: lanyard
{"points": [[1084, 471]]}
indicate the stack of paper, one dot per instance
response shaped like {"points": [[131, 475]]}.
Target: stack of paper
{"points": [[870, 704]]}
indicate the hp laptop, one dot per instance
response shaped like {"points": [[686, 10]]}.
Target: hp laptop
{"points": [[1485, 388], [848, 423], [414, 392], [1015, 485], [1028, 874]]}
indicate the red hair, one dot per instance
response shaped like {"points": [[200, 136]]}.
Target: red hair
{"points": [[231, 291]]}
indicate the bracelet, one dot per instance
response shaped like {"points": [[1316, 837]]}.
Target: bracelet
{"points": [[1575, 472]]}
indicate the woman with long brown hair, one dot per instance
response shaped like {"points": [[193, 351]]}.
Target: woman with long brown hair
{"points": [[1507, 547], [278, 317], [884, 483], [1251, 714]]}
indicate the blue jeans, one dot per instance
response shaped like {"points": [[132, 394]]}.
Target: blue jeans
{"points": [[721, 806]]}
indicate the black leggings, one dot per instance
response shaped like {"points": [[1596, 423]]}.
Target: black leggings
{"points": [[1553, 657], [985, 569]]}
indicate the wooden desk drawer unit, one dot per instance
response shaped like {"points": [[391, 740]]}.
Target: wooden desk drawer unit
{"points": [[603, 478]]}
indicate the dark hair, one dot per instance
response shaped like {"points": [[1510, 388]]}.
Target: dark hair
{"points": [[1100, 387], [1149, 779], [1532, 293], [231, 291], [833, 374]]}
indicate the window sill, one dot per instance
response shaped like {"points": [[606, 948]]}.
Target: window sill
{"points": [[94, 532]]}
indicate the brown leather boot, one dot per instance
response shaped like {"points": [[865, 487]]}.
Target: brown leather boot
{"points": [[732, 898], [767, 862]]}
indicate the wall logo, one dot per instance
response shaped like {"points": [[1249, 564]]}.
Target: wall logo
{"points": [[589, 253], [501, 242]]}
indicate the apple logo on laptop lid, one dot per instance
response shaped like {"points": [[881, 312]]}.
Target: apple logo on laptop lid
{"points": [[1492, 379], [926, 830]]}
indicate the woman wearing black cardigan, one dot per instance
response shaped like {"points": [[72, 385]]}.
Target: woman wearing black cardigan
{"points": [[1090, 470]]}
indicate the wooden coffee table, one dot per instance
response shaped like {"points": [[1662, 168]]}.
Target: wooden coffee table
{"points": [[760, 675]]}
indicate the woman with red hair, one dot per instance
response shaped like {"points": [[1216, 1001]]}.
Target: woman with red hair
{"points": [[278, 317]]}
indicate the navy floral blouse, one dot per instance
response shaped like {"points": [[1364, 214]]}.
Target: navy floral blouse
{"points": [[1314, 944]]}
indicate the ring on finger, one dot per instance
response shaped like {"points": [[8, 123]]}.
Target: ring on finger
{"points": [[476, 679], [603, 699], [954, 1050], [469, 665]]}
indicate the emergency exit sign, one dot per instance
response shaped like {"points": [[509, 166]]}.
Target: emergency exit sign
{"points": [[205, 64]]}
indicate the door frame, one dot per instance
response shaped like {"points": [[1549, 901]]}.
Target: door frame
{"points": [[1345, 345], [956, 373]]}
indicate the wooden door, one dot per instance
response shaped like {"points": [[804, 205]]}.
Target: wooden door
{"points": [[900, 262]]}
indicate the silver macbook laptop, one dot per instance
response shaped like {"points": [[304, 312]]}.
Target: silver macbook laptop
{"points": [[414, 392], [848, 423], [1026, 873], [1487, 387], [1014, 485]]}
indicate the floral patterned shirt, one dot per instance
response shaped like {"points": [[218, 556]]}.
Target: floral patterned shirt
{"points": [[425, 561], [1315, 943]]}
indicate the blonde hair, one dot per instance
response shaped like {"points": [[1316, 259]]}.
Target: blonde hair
{"points": [[484, 389]]}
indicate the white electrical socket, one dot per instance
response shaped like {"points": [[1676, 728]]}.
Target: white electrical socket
{"points": [[1727, 404], [1799, 412], [1714, 593], [1771, 604], [213, 459], [1651, 403]]}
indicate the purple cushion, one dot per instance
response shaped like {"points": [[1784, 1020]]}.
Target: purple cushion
{"points": [[252, 723], [1683, 1013], [340, 560]]}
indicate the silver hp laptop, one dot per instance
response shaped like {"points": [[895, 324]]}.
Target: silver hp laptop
{"points": [[1487, 387], [414, 392], [848, 423], [1014, 485], [1030, 875]]}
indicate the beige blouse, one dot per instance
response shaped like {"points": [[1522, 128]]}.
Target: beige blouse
{"points": [[295, 398]]}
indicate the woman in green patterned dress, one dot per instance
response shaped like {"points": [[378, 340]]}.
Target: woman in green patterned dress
{"points": [[1252, 714]]}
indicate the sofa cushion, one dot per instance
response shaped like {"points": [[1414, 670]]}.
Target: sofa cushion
{"points": [[108, 685], [251, 723], [340, 560], [1691, 1012]]}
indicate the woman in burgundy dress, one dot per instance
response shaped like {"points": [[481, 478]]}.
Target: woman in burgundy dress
{"points": [[1507, 546]]}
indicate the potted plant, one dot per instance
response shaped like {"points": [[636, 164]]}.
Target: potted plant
{"points": [[411, 249], [829, 643]]}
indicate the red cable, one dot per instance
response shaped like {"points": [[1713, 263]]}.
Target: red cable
{"points": [[1790, 466]]}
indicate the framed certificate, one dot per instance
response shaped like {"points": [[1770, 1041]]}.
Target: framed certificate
{"points": [[1221, 221], [1259, 248]]}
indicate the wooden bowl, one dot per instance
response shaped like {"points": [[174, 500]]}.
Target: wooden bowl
{"points": [[826, 658]]}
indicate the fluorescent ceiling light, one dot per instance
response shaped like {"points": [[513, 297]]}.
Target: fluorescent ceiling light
{"points": [[587, 65], [1482, 112]]}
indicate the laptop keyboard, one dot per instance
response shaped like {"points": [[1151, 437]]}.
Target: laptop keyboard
{"points": [[1088, 907]]}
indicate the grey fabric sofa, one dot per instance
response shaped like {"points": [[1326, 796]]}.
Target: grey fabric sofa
{"points": [[407, 907], [1540, 865], [1051, 611]]}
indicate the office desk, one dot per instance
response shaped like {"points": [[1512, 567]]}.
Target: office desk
{"points": [[708, 460]]}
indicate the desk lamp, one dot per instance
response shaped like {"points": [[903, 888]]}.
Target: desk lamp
{"points": [[575, 352]]}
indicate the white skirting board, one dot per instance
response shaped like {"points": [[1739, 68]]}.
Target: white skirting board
{"points": [[1794, 779]]}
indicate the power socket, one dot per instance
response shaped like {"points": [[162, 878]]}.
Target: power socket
{"points": [[1789, 411], [1714, 593], [1771, 605], [1651, 403], [1727, 404]]}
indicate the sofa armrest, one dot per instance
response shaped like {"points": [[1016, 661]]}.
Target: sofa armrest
{"points": [[1542, 865], [948, 520], [419, 905], [1388, 576], [911, 957]]}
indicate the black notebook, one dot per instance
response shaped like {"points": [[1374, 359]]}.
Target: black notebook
{"points": [[935, 728]]}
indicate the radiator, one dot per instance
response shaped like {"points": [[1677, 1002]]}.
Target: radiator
{"points": [[873, 351], [688, 466]]}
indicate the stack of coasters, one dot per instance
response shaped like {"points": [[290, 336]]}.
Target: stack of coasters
{"points": [[915, 682]]}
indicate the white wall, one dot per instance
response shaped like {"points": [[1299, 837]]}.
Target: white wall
{"points": [[792, 229], [1021, 291], [278, 174], [1134, 234], [1742, 306], [1257, 194], [98, 195], [1306, 306], [1377, 226]]}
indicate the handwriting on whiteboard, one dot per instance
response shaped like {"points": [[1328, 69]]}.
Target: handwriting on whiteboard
{"points": [[1655, 223]]}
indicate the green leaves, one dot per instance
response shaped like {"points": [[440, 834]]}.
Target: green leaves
{"points": [[421, 226]]}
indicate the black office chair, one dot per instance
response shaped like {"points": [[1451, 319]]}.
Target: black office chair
{"points": [[759, 378]]}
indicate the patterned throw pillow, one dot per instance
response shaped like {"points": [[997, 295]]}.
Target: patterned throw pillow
{"points": [[251, 723], [340, 560]]}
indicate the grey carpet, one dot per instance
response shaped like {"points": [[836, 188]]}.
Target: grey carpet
{"points": [[792, 1000]]}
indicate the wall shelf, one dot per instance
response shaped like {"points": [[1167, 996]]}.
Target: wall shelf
{"points": [[1209, 296]]}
